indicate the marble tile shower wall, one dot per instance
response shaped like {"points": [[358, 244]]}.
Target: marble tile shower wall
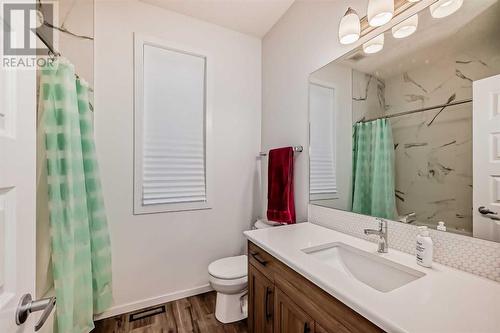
{"points": [[368, 96], [468, 254], [433, 149]]}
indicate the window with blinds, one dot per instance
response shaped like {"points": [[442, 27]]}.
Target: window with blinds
{"points": [[170, 130], [323, 182]]}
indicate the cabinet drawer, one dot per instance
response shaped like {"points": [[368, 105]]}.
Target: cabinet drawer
{"points": [[262, 260]]}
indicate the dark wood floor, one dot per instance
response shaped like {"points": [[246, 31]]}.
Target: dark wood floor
{"points": [[192, 314]]}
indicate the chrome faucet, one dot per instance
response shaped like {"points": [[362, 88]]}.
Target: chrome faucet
{"points": [[383, 245]]}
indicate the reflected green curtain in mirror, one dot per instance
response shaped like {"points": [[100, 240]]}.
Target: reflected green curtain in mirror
{"points": [[373, 169]]}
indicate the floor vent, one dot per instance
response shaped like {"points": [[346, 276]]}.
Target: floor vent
{"points": [[146, 313]]}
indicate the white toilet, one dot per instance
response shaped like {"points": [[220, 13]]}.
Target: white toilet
{"points": [[229, 278]]}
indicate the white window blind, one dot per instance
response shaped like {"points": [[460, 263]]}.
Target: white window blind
{"points": [[173, 147], [323, 182]]}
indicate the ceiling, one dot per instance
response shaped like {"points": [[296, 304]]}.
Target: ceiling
{"points": [[253, 17]]}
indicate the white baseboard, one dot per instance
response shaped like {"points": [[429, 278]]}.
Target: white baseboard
{"points": [[134, 306]]}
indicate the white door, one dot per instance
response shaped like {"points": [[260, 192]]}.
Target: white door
{"points": [[17, 193], [486, 152]]}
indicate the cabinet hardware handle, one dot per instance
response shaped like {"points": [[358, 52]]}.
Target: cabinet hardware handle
{"points": [[306, 327], [257, 257], [269, 292]]}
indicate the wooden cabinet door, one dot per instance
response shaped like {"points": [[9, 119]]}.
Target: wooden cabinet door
{"points": [[289, 318], [260, 302]]}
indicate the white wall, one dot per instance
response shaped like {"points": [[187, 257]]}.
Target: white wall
{"points": [[157, 255], [302, 41]]}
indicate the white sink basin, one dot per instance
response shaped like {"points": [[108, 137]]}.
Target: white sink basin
{"points": [[371, 269]]}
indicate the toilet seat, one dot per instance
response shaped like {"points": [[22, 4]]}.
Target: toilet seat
{"points": [[230, 268], [229, 286]]}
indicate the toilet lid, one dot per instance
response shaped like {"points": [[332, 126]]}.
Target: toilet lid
{"points": [[262, 224], [229, 268]]}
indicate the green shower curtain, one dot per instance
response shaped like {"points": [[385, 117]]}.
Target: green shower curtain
{"points": [[81, 253], [373, 169]]}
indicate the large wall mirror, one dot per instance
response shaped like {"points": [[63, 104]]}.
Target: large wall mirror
{"points": [[407, 126]]}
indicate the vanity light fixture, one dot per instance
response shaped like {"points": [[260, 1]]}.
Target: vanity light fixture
{"points": [[374, 45], [405, 28], [380, 12], [350, 27], [443, 8]]}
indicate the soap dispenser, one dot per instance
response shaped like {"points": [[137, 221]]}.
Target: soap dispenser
{"points": [[424, 249], [441, 226]]}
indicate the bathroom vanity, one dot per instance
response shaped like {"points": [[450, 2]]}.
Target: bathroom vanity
{"points": [[281, 300], [308, 278]]}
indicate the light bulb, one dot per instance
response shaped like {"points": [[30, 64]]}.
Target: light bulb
{"points": [[374, 45], [380, 12], [405, 28], [443, 8], [350, 27]]}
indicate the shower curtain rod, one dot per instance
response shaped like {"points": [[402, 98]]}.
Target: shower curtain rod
{"points": [[464, 101], [57, 54], [50, 47]]}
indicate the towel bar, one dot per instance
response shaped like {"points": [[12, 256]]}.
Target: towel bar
{"points": [[296, 149]]}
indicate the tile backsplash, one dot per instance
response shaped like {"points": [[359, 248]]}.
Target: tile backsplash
{"points": [[468, 254]]}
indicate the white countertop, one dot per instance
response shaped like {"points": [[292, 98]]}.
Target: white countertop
{"points": [[444, 300]]}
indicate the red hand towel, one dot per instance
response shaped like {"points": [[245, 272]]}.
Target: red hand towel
{"points": [[280, 198]]}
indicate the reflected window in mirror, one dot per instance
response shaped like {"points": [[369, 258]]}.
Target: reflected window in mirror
{"points": [[322, 141]]}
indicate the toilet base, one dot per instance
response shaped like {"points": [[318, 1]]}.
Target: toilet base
{"points": [[231, 308]]}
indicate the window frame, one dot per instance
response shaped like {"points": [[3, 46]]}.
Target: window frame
{"points": [[138, 208]]}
